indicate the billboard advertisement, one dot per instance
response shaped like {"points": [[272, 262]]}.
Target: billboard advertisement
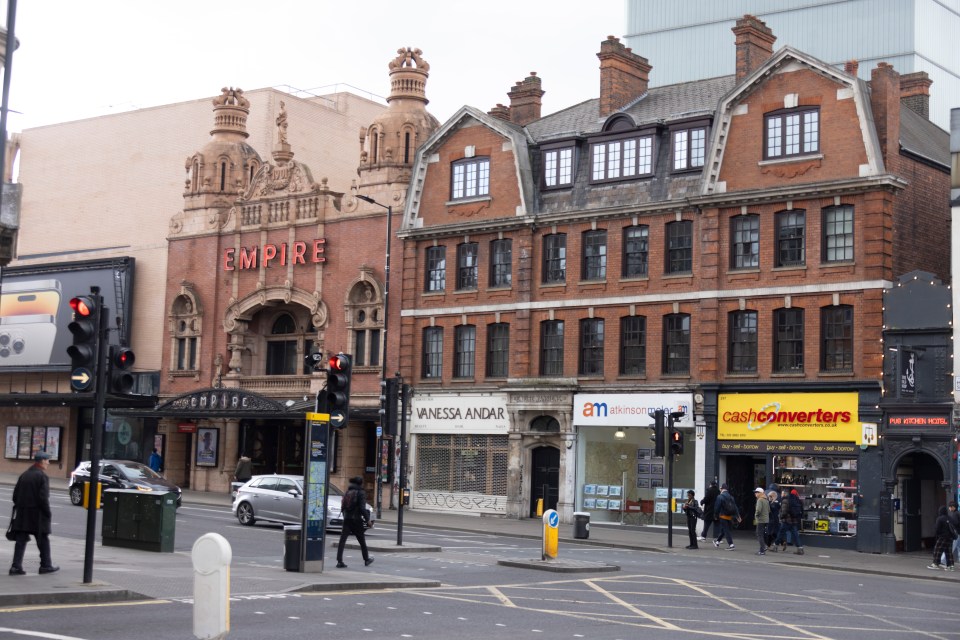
{"points": [[35, 308]]}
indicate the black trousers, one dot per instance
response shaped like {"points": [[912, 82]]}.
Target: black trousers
{"points": [[692, 531], [354, 526], [43, 544]]}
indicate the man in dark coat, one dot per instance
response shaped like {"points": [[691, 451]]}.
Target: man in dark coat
{"points": [[31, 501], [354, 520], [708, 502]]}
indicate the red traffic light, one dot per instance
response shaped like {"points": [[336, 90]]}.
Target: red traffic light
{"points": [[122, 358], [82, 306], [339, 363]]}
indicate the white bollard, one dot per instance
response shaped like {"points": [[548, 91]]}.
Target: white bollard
{"points": [[211, 557]]}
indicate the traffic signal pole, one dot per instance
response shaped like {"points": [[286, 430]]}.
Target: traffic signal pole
{"points": [[96, 445]]}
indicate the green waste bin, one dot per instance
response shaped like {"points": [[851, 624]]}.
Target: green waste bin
{"points": [[134, 519]]}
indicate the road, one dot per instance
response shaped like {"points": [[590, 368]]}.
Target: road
{"points": [[708, 594]]}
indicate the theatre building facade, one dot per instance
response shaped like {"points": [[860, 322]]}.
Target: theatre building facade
{"points": [[269, 267]]}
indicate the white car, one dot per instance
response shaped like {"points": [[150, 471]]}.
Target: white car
{"points": [[279, 498]]}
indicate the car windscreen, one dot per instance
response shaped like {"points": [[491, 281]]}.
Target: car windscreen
{"points": [[136, 471]]}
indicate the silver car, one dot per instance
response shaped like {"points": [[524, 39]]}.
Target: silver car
{"points": [[279, 498]]}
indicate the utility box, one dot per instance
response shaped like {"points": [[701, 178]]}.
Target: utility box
{"points": [[139, 520]]}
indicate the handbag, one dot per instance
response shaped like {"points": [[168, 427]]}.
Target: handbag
{"points": [[11, 534]]}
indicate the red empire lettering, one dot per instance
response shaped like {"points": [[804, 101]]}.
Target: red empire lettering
{"points": [[283, 254], [228, 259], [248, 260], [299, 248], [269, 253], [318, 250]]}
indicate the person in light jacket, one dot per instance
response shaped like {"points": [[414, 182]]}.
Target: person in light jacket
{"points": [[761, 518]]}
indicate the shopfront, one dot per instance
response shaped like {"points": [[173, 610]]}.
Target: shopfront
{"points": [[459, 453], [618, 478], [808, 442]]}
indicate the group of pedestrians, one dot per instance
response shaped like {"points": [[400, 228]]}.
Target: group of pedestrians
{"points": [[777, 518], [947, 531]]}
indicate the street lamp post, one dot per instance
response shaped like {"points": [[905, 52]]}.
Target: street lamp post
{"points": [[383, 352]]}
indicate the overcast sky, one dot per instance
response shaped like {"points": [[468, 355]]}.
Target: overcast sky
{"points": [[80, 59]]}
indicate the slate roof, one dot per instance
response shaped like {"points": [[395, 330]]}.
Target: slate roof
{"points": [[923, 138]]}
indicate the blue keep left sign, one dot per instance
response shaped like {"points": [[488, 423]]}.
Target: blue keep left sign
{"points": [[554, 519]]}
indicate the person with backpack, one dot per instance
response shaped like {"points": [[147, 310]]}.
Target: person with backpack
{"points": [[353, 508], [727, 515], [709, 515], [791, 515], [945, 536], [954, 519]]}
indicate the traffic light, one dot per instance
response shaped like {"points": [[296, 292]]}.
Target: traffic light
{"points": [[389, 396], [676, 442], [676, 436], [84, 351], [657, 437], [120, 380], [338, 387]]}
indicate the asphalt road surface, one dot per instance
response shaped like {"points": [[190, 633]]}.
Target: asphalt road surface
{"points": [[710, 594]]}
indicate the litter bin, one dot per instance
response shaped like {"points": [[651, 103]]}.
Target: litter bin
{"points": [[291, 547], [581, 525]]}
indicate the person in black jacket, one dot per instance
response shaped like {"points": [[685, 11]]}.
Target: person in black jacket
{"points": [[945, 537], [791, 515], [708, 502], [354, 520], [773, 527], [693, 512], [31, 502]]}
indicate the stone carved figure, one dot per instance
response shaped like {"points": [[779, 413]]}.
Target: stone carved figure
{"points": [[409, 58], [231, 96], [282, 123]]}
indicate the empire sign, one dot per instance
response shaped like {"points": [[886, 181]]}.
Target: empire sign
{"points": [[280, 254]]}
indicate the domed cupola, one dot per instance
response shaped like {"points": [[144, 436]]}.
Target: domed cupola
{"points": [[388, 145], [226, 164]]}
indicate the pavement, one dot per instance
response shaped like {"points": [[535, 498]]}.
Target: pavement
{"points": [[121, 574]]}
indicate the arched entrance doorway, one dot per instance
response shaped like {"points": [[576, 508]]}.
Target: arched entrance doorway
{"points": [[919, 490], [545, 479]]}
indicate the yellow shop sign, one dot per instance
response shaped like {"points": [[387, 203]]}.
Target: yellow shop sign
{"points": [[818, 417]]}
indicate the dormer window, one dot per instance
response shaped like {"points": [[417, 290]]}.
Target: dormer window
{"points": [[471, 178], [558, 166], [791, 132], [621, 158], [689, 148]]}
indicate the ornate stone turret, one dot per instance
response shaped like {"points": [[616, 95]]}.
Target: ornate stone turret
{"points": [[225, 165], [388, 145]]}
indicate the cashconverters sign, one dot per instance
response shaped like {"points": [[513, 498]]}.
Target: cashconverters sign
{"points": [[818, 417]]}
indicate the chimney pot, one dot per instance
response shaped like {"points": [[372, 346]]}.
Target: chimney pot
{"points": [[624, 76], [754, 40]]}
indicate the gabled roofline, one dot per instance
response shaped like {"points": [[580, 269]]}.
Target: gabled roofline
{"points": [[519, 138], [783, 58]]}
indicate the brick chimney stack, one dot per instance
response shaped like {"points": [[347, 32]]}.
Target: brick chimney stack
{"points": [[525, 100], [885, 102], [500, 111], [915, 92], [754, 44], [624, 75]]}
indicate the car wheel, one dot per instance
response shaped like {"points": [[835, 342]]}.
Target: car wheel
{"points": [[245, 514], [76, 494]]}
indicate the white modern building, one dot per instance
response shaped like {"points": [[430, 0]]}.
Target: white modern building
{"points": [[682, 36]]}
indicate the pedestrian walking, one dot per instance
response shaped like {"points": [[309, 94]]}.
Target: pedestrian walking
{"points": [[761, 518], [791, 517], [353, 506], [692, 508], [782, 533], [709, 515], [954, 519], [244, 470], [727, 515], [773, 527], [946, 534], [31, 504], [156, 461]]}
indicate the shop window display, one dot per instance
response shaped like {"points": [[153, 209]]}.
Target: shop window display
{"points": [[619, 479], [828, 487]]}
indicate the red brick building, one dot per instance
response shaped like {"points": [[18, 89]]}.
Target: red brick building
{"points": [[717, 248]]}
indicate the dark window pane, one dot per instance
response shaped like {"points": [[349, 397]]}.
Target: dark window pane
{"points": [[498, 350], [636, 251], [788, 340], [501, 263], [836, 327], [436, 269], [595, 255], [838, 234], [633, 345], [591, 347], [791, 239], [432, 352], [467, 268], [465, 351], [676, 344], [745, 236], [551, 348], [743, 342], [555, 258], [680, 247]]}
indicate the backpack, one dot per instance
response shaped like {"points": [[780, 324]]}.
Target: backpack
{"points": [[349, 502], [727, 506]]}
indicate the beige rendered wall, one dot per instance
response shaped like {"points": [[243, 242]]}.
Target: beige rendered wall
{"points": [[108, 186]]}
